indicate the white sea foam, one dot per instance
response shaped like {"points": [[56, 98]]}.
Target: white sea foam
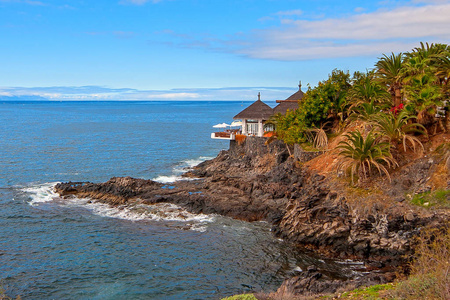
{"points": [[41, 193], [181, 168], [190, 163], [141, 212], [168, 179]]}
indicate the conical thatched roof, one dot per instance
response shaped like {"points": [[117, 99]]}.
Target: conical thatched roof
{"points": [[284, 106], [297, 95], [258, 110]]}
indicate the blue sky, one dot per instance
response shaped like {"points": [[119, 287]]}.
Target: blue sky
{"points": [[200, 49]]}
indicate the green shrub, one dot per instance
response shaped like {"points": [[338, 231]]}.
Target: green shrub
{"points": [[360, 154], [397, 129], [327, 100]]}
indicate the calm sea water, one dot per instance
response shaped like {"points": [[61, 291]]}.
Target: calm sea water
{"points": [[71, 249]]}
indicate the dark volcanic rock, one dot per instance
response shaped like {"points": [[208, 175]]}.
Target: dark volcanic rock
{"points": [[314, 283], [254, 181]]}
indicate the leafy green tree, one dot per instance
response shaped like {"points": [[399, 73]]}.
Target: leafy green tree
{"points": [[290, 128], [319, 104]]}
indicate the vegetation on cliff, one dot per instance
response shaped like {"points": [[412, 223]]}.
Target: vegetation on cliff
{"points": [[393, 121], [398, 103]]}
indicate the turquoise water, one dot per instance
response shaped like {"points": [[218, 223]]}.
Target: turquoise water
{"points": [[72, 249]]}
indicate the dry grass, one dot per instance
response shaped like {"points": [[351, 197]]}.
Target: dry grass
{"points": [[439, 179], [430, 270]]}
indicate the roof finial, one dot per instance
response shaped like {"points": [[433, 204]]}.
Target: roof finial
{"points": [[259, 96], [300, 86]]}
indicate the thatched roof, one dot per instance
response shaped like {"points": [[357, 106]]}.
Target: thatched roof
{"points": [[258, 110], [284, 106], [297, 95]]}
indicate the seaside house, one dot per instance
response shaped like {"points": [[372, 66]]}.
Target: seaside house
{"points": [[255, 116]]}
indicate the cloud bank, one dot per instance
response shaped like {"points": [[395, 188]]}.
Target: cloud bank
{"points": [[294, 38], [362, 34], [88, 93]]}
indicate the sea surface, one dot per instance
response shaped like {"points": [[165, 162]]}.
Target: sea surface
{"points": [[52, 248]]}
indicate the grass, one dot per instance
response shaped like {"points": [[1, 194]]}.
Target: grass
{"points": [[309, 147], [241, 297], [439, 198], [371, 292]]}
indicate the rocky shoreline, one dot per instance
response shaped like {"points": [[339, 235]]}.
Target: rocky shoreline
{"points": [[304, 204]]}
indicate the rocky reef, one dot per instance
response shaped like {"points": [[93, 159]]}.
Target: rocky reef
{"points": [[303, 199]]}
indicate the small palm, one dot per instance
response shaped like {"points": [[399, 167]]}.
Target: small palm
{"points": [[361, 154]]}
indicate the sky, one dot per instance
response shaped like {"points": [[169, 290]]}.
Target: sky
{"points": [[200, 49]]}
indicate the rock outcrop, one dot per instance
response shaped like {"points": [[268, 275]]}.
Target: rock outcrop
{"points": [[255, 181]]}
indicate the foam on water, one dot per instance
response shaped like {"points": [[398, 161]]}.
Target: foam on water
{"points": [[156, 212], [168, 179], [44, 193], [41, 193], [181, 168]]}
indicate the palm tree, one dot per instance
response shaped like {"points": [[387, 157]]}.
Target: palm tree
{"points": [[364, 111], [366, 89], [397, 129], [360, 154], [443, 69], [389, 72]]}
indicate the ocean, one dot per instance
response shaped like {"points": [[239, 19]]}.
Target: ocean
{"points": [[52, 248]]}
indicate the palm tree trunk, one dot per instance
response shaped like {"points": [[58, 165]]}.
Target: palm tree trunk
{"points": [[397, 96]]}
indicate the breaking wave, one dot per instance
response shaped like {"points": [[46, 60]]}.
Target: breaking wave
{"points": [[44, 193], [181, 168], [41, 193]]}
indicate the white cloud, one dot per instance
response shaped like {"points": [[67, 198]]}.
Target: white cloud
{"points": [[123, 34], [174, 96], [362, 34], [405, 22]]}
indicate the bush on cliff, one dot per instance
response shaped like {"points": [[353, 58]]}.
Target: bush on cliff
{"points": [[398, 99], [398, 129], [359, 154], [327, 100], [241, 297]]}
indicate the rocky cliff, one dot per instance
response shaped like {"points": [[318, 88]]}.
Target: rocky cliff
{"points": [[307, 204]]}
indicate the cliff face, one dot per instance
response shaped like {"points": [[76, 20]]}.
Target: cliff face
{"points": [[307, 207], [322, 211]]}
